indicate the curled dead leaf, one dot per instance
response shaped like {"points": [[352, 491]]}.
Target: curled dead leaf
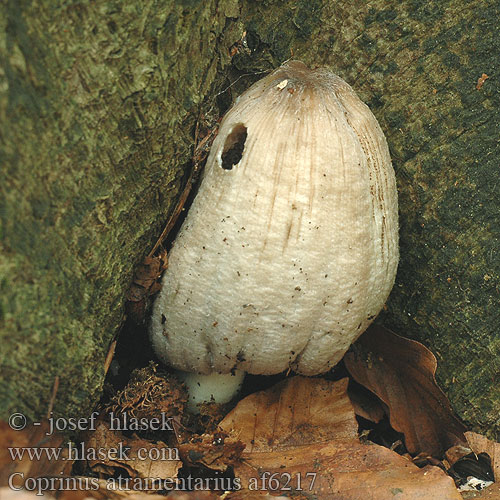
{"points": [[481, 444], [301, 438], [401, 372], [294, 412], [492, 492], [481, 80], [7, 493], [216, 452], [366, 404], [144, 284], [138, 457], [146, 275], [455, 453], [34, 437]]}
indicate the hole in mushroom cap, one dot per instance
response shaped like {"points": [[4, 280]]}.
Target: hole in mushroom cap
{"points": [[233, 147]]}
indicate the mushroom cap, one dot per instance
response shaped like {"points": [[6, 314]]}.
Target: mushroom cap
{"points": [[290, 247]]}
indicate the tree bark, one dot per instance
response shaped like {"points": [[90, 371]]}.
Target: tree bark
{"points": [[98, 105], [101, 103]]}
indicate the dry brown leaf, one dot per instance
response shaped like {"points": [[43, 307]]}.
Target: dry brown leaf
{"points": [[145, 276], [187, 495], [104, 491], [258, 495], [143, 285], [345, 470], [480, 444], [216, 452], [294, 412], [401, 373], [492, 492], [7, 493], [366, 404], [140, 458], [301, 435], [455, 453], [104, 494], [481, 80], [31, 437]]}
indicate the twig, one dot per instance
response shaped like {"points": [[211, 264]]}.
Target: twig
{"points": [[109, 356], [55, 388], [185, 193]]}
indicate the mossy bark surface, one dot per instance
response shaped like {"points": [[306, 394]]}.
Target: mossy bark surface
{"points": [[98, 106], [101, 103]]}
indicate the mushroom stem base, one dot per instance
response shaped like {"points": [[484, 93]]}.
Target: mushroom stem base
{"points": [[216, 387]]}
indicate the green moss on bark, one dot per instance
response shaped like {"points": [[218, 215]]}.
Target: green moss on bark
{"points": [[98, 103]]}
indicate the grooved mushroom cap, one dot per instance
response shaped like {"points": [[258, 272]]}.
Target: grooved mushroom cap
{"points": [[290, 248]]}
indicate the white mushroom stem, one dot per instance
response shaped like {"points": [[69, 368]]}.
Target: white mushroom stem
{"points": [[215, 387]]}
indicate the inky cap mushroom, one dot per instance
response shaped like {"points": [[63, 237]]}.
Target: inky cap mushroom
{"points": [[290, 247]]}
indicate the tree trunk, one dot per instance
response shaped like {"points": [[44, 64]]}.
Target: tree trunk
{"points": [[98, 104], [101, 103]]}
